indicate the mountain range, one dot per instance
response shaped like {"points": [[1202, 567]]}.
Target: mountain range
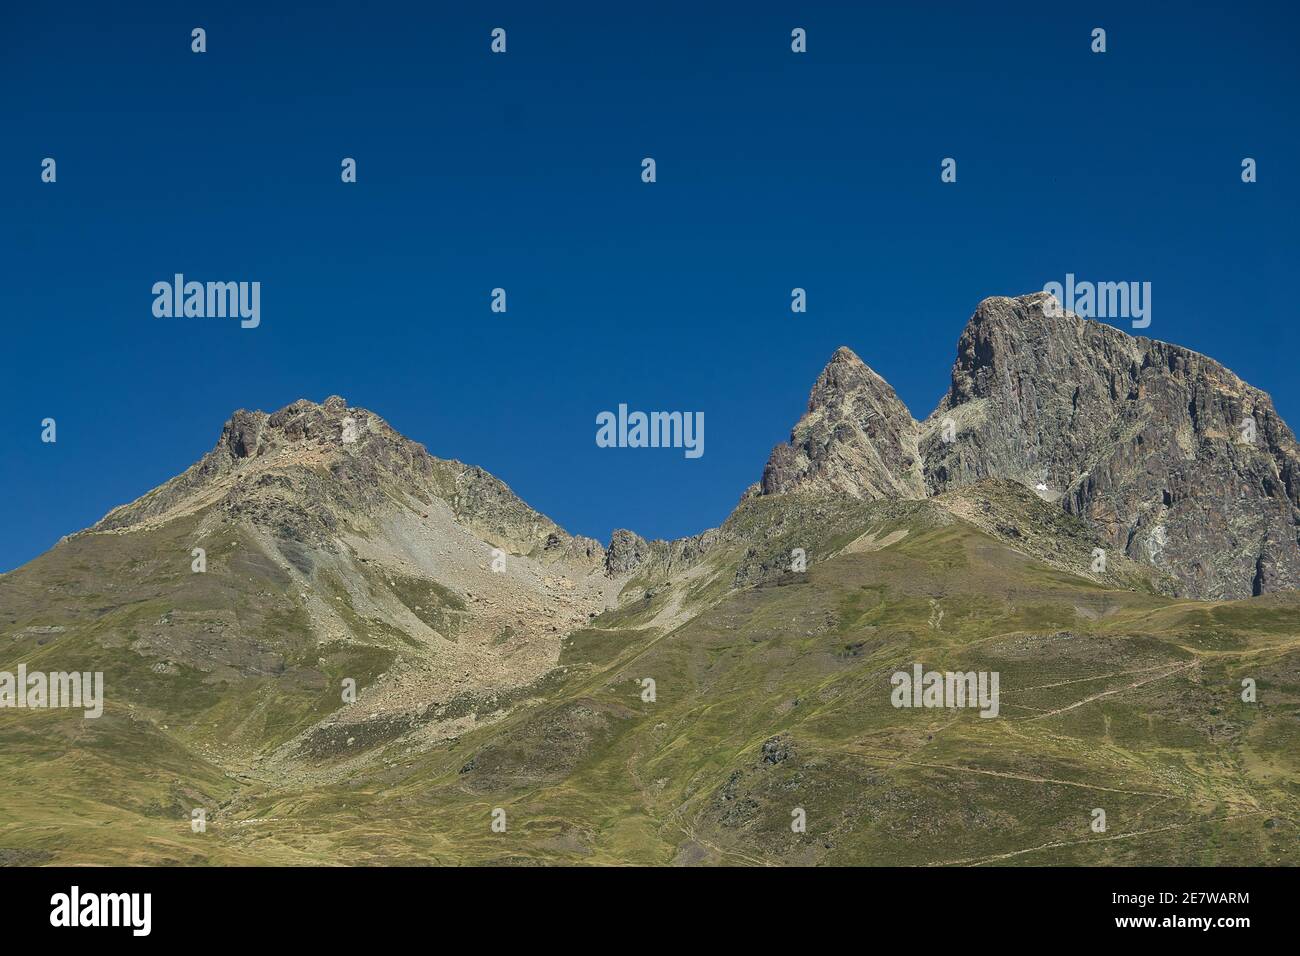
{"points": [[1109, 522], [1168, 456]]}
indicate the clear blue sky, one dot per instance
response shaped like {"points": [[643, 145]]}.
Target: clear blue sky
{"points": [[523, 171]]}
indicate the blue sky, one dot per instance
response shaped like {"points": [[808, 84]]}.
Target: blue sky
{"points": [[522, 171]]}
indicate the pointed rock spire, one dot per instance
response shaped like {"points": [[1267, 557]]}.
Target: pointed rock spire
{"points": [[856, 437]]}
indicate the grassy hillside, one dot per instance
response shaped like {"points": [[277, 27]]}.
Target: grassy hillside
{"points": [[772, 694]]}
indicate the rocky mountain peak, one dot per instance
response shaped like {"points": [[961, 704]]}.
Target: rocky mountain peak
{"points": [[856, 437], [312, 469], [302, 425], [1172, 457], [1169, 456]]}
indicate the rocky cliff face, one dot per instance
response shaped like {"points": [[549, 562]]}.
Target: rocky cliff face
{"points": [[1173, 459], [856, 438], [628, 552]]}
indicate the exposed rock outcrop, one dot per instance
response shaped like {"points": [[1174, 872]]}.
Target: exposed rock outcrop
{"points": [[320, 466], [628, 552], [856, 438], [1170, 457]]}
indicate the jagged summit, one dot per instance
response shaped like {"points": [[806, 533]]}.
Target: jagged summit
{"points": [[1172, 458], [316, 469], [856, 437], [1169, 455]]}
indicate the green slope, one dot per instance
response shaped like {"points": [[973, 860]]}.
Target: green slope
{"points": [[774, 696]]}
